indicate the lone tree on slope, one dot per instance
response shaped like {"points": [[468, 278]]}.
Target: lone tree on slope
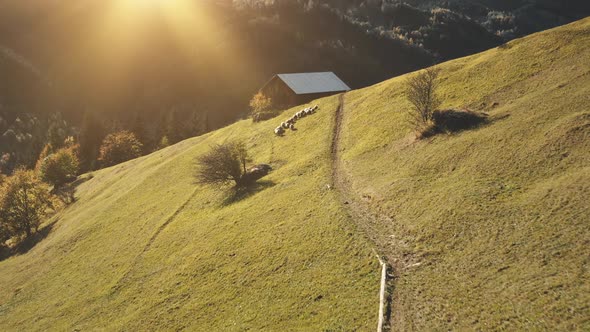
{"points": [[223, 164], [119, 147], [260, 106], [421, 92]]}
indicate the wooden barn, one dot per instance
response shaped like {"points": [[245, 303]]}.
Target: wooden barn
{"points": [[288, 90]]}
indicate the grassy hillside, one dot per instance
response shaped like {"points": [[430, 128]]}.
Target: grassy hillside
{"points": [[490, 226], [147, 248]]}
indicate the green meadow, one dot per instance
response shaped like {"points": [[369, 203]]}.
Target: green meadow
{"points": [[146, 248], [488, 227]]}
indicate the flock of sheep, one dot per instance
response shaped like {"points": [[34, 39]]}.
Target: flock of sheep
{"points": [[290, 123]]}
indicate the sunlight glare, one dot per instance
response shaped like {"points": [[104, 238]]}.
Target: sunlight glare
{"points": [[199, 29]]}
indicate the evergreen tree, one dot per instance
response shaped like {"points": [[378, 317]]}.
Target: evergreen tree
{"points": [[140, 130], [194, 126], [174, 126], [91, 136], [57, 131]]}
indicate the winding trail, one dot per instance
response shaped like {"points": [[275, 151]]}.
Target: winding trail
{"points": [[375, 226], [118, 285]]}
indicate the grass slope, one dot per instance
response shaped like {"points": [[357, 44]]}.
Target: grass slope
{"points": [[145, 248], [490, 225]]}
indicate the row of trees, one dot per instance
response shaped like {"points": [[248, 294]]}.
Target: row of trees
{"points": [[24, 139], [27, 196], [138, 137], [39, 159]]}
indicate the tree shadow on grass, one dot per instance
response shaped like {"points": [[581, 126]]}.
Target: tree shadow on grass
{"points": [[237, 194], [453, 121], [27, 244], [67, 192]]}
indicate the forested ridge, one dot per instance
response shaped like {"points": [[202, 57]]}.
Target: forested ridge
{"points": [[75, 65]]}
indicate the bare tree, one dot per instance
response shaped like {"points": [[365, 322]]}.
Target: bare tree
{"points": [[223, 164], [421, 91]]}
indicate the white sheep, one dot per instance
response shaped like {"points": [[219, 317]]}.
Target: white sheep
{"points": [[290, 122]]}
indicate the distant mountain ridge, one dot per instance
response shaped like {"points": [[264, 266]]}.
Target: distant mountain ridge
{"points": [[407, 18], [119, 72]]}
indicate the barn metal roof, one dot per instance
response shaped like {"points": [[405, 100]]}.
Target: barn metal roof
{"points": [[306, 83]]}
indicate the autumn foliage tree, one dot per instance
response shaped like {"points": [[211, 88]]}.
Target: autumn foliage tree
{"points": [[260, 107], [59, 167], [24, 201], [224, 163], [119, 147]]}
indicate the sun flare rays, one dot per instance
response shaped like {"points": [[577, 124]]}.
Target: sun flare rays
{"points": [[197, 28]]}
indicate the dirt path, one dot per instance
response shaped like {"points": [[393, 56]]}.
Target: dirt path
{"points": [[373, 225], [151, 241]]}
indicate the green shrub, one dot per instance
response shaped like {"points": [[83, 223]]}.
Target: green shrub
{"points": [[119, 147], [60, 167]]}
